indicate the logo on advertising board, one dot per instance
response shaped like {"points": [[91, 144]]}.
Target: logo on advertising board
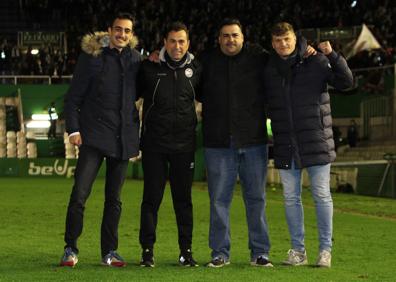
{"points": [[57, 169]]}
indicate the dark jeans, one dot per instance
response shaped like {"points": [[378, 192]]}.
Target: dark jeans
{"points": [[88, 164], [181, 171]]}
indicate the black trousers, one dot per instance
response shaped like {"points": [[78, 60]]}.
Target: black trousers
{"points": [[88, 164], [181, 172]]}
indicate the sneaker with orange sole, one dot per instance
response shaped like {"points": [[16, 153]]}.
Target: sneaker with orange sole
{"points": [[113, 259], [69, 258]]}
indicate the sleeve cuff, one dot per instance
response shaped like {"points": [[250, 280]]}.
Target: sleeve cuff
{"points": [[332, 56], [74, 133]]}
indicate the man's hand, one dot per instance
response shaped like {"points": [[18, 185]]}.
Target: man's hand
{"points": [[325, 47], [198, 110], [75, 140], [310, 51], [154, 56], [137, 158]]}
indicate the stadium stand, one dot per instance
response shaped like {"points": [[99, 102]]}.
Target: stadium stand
{"points": [[79, 17]]}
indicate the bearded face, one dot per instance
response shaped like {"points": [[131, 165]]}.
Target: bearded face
{"points": [[230, 39]]}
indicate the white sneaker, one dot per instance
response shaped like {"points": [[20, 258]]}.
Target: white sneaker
{"points": [[296, 258], [69, 258], [324, 259]]}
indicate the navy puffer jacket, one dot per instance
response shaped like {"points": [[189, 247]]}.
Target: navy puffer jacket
{"points": [[299, 106]]}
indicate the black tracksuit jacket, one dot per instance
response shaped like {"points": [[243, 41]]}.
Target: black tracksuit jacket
{"points": [[169, 118]]}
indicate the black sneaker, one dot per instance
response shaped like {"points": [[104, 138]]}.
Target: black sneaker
{"points": [[147, 258], [261, 261], [218, 262], [186, 259]]}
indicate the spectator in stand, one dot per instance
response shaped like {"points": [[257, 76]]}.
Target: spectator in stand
{"points": [[352, 134]]}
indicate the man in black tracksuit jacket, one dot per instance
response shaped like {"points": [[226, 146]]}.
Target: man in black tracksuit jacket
{"points": [[168, 139]]}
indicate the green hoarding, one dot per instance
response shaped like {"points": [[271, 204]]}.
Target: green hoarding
{"points": [[46, 167], [60, 167]]}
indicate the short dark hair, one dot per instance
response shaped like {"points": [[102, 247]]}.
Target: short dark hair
{"points": [[121, 16], [230, 21], [175, 26], [281, 28]]}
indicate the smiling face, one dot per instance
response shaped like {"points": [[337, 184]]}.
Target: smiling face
{"points": [[284, 44], [176, 44], [230, 39], [120, 33]]}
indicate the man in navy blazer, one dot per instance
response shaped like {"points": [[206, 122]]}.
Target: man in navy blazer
{"points": [[101, 118]]}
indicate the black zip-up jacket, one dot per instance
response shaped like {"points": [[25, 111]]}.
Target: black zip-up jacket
{"points": [[169, 118], [232, 99], [299, 106], [100, 103]]}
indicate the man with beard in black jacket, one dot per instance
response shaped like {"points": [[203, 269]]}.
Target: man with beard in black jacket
{"points": [[235, 141], [102, 119], [299, 109], [168, 139]]}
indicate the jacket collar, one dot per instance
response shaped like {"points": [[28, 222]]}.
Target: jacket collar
{"points": [[190, 57], [94, 43]]}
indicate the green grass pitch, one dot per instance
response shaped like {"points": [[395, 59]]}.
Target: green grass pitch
{"points": [[32, 216]]}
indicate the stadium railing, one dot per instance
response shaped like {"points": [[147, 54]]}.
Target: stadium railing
{"points": [[37, 79]]}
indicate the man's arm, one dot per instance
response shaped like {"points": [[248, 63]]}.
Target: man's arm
{"points": [[75, 96], [340, 76], [140, 81], [310, 51], [200, 61]]}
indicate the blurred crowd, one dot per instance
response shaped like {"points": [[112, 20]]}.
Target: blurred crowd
{"points": [[49, 60], [78, 17]]}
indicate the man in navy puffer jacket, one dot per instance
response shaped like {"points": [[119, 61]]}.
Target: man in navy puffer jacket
{"points": [[299, 109]]}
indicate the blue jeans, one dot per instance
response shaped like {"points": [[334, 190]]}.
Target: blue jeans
{"points": [[223, 166], [319, 177]]}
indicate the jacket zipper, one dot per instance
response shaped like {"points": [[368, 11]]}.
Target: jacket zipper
{"points": [[193, 102], [174, 103], [151, 106], [295, 150]]}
